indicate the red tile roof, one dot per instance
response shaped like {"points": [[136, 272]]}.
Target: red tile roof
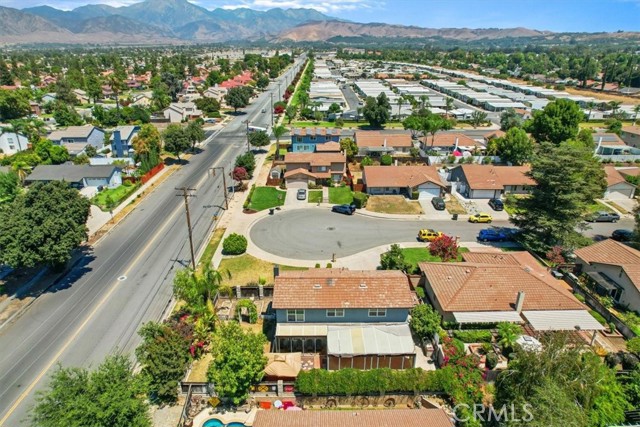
{"points": [[328, 147], [489, 177], [382, 418], [613, 253], [400, 176], [320, 131], [449, 140], [612, 176], [322, 288], [315, 159], [377, 139], [631, 129], [461, 287]]}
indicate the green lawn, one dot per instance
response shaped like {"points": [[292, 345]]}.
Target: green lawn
{"points": [[266, 197], [112, 197], [416, 255], [314, 196], [213, 244], [599, 207], [340, 195]]}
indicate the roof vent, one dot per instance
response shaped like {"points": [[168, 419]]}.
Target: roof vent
{"points": [[363, 285], [331, 281], [467, 271], [317, 286], [527, 269]]}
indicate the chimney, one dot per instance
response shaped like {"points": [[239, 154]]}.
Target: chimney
{"points": [[117, 144], [276, 270], [519, 301]]}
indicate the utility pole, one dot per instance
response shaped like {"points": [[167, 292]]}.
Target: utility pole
{"points": [[185, 193], [224, 182], [247, 133], [271, 93]]}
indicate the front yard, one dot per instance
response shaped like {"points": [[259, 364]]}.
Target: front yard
{"points": [[111, 197], [340, 195], [393, 205], [314, 196], [266, 197], [454, 207], [245, 269], [415, 255]]}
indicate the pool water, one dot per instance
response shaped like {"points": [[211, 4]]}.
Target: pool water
{"points": [[214, 422]]}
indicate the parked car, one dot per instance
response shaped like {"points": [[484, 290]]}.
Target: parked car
{"points": [[438, 203], [496, 204], [264, 110], [302, 194], [491, 235], [481, 217], [622, 235], [603, 217], [344, 209], [428, 235]]}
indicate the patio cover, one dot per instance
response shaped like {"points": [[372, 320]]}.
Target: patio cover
{"points": [[301, 330], [603, 281], [562, 320], [354, 340], [487, 317], [284, 365]]}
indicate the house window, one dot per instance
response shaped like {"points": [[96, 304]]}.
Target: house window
{"points": [[295, 315], [312, 138], [335, 312], [322, 168], [377, 312], [12, 147], [299, 139]]}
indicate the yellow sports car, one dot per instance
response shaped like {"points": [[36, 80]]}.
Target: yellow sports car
{"points": [[481, 217], [428, 235]]}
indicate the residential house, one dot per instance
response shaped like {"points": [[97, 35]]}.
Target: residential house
{"points": [[313, 168], [615, 269], [492, 135], [11, 143], [79, 134], [492, 287], [631, 171], [353, 319], [306, 140], [215, 92], [609, 144], [142, 100], [449, 142], [81, 95], [425, 417], [329, 147], [375, 143], [48, 97], [239, 80], [76, 148], [475, 181], [631, 135], [35, 108], [79, 176], [403, 180], [178, 112], [122, 140], [617, 185]]}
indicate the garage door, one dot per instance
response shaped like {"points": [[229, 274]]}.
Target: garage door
{"points": [[619, 193], [297, 183], [428, 193], [482, 194]]}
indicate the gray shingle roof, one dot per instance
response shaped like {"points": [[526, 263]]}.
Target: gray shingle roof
{"points": [[72, 132], [70, 172]]}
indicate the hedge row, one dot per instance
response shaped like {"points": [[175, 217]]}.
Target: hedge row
{"points": [[360, 199], [248, 201], [375, 381], [471, 336]]}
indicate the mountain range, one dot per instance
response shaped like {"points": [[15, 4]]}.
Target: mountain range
{"points": [[180, 21]]}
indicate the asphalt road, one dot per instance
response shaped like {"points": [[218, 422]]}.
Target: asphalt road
{"points": [[310, 234], [124, 281]]}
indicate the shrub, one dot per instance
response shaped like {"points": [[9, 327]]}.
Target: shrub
{"points": [[612, 360], [480, 335], [360, 199], [234, 244], [248, 201], [329, 265], [317, 265], [366, 161], [579, 297], [633, 345], [491, 361], [415, 195], [420, 292], [459, 345], [598, 317], [386, 160], [629, 361]]}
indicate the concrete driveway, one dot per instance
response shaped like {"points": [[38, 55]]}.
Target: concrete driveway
{"points": [[433, 213], [624, 202], [483, 206], [292, 198]]}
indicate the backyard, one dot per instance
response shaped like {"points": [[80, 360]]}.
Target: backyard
{"points": [[245, 269], [340, 195], [111, 197], [265, 198], [393, 205]]}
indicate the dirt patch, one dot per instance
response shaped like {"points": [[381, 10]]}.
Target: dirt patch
{"points": [[454, 207], [603, 96], [393, 205]]}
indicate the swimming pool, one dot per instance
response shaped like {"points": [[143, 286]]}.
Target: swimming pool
{"points": [[214, 422]]}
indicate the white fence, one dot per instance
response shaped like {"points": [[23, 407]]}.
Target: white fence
{"points": [[439, 160]]}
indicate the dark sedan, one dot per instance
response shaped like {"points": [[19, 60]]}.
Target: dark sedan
{"points": [[344, 209], [622, 235], [496, 204]]}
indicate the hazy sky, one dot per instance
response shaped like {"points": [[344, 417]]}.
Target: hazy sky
{"points": [[554, 15]]}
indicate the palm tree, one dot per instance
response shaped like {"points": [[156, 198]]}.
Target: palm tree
{"points": [[424, 101], [590, 105], [278, 132], [508, 334], [636, 110], [210, 281], [22, 169], [614, 105], [116, 85], [448, 105], [400, 102]]}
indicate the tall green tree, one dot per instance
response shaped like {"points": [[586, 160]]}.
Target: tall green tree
{"points": [[64, 92], [66, 115], [43, 225], [576, 378], [510, 119], [9, 186], [109, 396], [238, 361], [377, 111], [164, 357], [14, 104], [259, 139], [394, 259], [195, 133], [558, 122], [176, 140], [478, 118], [569, 179], [6, 79], [237, 97], [425, 321], [515, 147], [290, 113], [147, 146]]}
